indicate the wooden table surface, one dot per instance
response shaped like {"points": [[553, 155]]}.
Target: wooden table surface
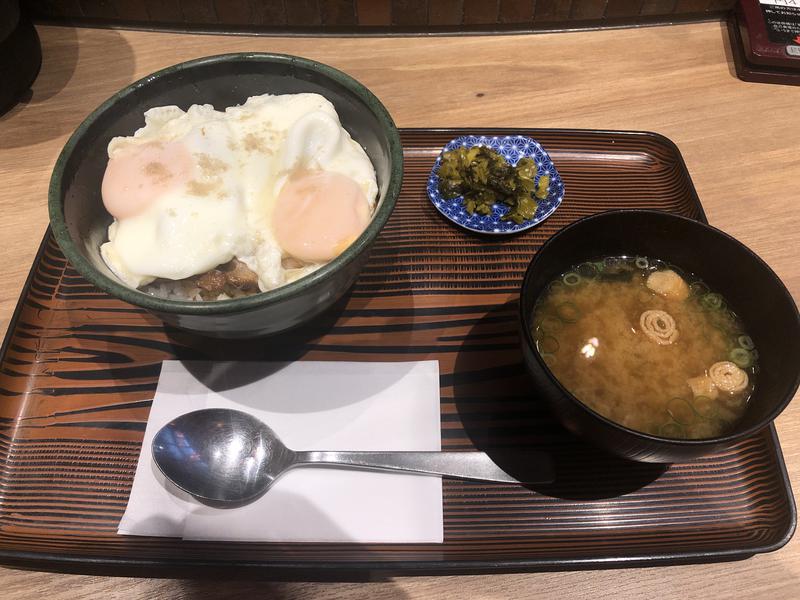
{"points": [[740, 141]]}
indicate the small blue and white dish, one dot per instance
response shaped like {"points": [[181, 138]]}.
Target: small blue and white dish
{"points": [[512, 148]]}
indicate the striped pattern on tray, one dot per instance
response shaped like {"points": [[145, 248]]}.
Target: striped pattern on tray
{"points": [[79, 368]]}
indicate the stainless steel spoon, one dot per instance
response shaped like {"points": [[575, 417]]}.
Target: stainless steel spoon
{"points": [[227, 456]]}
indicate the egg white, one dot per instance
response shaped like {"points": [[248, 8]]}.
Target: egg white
{"points": [[260, 143]]}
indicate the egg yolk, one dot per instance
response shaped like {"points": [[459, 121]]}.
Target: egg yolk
{"points": [[318, 214], [137, 176]]}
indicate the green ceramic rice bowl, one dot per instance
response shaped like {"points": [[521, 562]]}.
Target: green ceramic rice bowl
{"points": [[80, 221]]}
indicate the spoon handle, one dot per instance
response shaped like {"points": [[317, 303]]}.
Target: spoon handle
{"points": [[462, 465]]}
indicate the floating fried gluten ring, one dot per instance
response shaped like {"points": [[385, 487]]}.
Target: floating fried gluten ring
{"points": [[728, 377], [659, 326]]}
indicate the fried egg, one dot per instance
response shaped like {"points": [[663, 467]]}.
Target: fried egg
{"points": [[276, 178]]}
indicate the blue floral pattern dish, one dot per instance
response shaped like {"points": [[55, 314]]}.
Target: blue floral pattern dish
{"points": [[512, 148]]}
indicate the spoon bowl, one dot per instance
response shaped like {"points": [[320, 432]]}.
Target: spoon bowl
{"points": [[220, 455], [226, 456]]}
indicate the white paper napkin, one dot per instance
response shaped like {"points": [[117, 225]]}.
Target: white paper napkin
{"points": [[311, 406]]}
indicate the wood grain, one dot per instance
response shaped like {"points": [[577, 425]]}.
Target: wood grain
{"points": [[738, 139]]}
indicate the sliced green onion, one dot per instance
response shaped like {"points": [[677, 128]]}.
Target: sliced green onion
{"points": [[555, 285], [712, 301], [547, 344], [568, 312], [551, 324], [698, 288], [610, 262], [641, 262], [672, 430], [587, 270], [704, 406], [741, 358], [746, 342], [571, 278], [681, 411]]}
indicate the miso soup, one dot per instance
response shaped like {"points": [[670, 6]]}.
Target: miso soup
{"points": [[647, 346]]}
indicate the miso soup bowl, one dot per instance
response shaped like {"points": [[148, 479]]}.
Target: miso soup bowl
{"points": [[750, 287], [80, 222]]}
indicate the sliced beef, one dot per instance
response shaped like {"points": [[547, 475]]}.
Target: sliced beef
{"points": [[234, 279], [240, 276]]}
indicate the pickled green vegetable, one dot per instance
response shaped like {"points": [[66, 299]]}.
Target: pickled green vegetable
{"points": [[483, 178], [541, 189]]}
